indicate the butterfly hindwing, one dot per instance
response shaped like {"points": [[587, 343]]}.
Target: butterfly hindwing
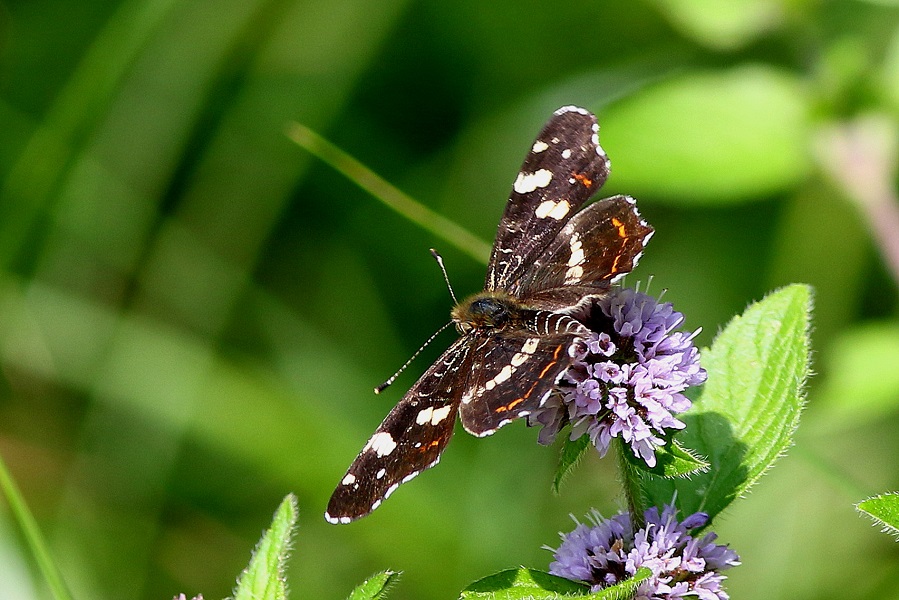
{"points": [[512, 371], [565, 166], [408, 441], [598, 246]]}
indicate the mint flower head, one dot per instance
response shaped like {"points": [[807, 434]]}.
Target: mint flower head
{"points": [[628, 378], [609, 551]]}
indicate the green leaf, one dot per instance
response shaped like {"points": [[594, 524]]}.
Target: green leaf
{"points": [[850, 400], [750, 405], [672, 460], [711, 138], [723, 24], [572, 451], [531, 584], [522, 583], [375, 587], [263, 579], [884, 509], [625, 589]]}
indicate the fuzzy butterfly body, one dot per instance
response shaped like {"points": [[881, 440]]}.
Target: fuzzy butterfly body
{"points": [[548, 263]]}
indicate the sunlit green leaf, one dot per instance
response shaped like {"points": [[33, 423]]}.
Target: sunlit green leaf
{"points": [[263, 579], [672, 460], [884, 509], [525, 584], [750, 404], [872, 349], [710, 137], [375, 587], [723, 24], [515, 584]]}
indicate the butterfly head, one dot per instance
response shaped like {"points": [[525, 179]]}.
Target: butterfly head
{"points": [[487, 310]]}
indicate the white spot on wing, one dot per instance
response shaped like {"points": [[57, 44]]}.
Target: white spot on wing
{"points": [[380, 473], [440, 414], [382, 443], [528, 182], [556, 210], [539, 146], [561, 209], [574, 274], [577, 251], [544, 209], [424, 415], [502, 376], [576, 109], [566, 153], [519, 359], [349, 479], [410, 476], [530, 345], [336, 520]]}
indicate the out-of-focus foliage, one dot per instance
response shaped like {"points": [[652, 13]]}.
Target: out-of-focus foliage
{"points": [[193, 311]]}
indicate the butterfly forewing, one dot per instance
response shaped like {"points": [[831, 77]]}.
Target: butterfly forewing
{"points": [[565, 166], [408, 441]]}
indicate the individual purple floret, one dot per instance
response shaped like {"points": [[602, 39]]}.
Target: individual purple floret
{"points": [[610, 551], [628, 378]]}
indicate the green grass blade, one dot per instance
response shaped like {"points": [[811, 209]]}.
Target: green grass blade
{"points": [[381, 189], [33, 535], [43, 163]]}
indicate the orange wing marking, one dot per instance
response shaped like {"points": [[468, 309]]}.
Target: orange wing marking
{"points": [[585, 181]]}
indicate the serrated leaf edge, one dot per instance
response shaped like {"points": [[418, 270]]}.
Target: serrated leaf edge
{"points": [[884, 526]]}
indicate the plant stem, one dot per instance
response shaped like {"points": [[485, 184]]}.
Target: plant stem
{"points": [[630, 480]]}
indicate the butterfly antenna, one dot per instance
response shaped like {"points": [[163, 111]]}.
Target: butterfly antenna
{"points": [[439, 260], [393, 377]]}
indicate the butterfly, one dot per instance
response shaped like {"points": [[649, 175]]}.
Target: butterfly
{"points": [[548, 263]]}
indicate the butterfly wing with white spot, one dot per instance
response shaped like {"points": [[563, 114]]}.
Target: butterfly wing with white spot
{"points": [[408, 441], [598, 246], [565, 166], [512, 373]]}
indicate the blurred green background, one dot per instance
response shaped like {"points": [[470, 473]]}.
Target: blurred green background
{"points": [[193, 310]]}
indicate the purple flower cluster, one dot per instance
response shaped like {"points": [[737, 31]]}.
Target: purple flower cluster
{"points": [[628, 378], [610, 551]]}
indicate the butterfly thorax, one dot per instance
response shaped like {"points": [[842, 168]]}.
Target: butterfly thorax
{"points": [[489, 310]]}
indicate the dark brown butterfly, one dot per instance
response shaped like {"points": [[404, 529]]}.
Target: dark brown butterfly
{"points": [[548, 264]]}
